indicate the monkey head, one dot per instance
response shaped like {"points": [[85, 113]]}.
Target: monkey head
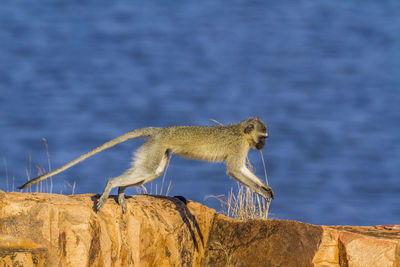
{"points": [[255, 131]]}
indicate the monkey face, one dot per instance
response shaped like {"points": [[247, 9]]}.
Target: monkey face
{"points": [[256, 131]]}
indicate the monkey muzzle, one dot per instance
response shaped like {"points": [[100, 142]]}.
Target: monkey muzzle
{"points": [[261, 143]]}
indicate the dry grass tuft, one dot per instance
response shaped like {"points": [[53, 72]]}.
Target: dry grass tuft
{"points": [[244, 204]]}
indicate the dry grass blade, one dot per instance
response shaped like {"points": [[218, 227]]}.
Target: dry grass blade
{"points": [[266, 180], [6, 169], [163, 179], [48, 163], [217, 122]]}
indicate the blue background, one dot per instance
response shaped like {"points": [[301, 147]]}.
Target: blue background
{"points": [[323, 75]]}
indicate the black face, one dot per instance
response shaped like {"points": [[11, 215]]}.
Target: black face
{"points": [[261, 143]]}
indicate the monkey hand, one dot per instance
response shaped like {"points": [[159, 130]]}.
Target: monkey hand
{"points": [[267, 192]]}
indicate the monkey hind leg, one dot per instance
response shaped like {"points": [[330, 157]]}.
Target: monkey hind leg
{"points": [[122, 182], [149, 164]]}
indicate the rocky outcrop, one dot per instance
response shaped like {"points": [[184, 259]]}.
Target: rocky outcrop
{"points": [[57, 230]]}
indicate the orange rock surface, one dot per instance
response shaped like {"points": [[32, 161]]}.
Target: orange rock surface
{"points": [[38, 229]]}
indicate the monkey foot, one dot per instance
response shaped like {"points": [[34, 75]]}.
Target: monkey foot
{"points": [[100, 203], [121, 201]]}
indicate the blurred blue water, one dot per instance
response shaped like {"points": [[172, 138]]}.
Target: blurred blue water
{"points": [[324, 76]]}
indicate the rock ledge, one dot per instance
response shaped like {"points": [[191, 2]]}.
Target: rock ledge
{"points": [[39, 229]]}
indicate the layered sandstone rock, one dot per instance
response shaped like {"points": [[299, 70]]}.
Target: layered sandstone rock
{"points": [[56, 230]]}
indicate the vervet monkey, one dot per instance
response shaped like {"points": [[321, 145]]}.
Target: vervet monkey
{"points": [[229, 143]]}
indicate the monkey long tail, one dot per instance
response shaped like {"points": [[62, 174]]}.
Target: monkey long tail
{"points": [[143, 132]]}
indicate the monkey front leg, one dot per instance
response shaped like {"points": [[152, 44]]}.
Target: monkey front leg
{"points": [[246, 177]]}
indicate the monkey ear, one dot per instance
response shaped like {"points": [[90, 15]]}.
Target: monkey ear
{"points": [[248, 128]]}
